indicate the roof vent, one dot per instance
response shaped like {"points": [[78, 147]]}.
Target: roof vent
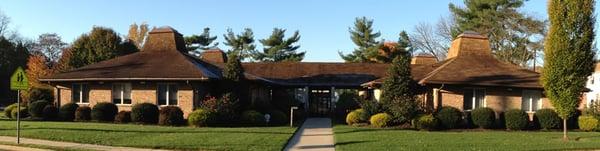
{"points": [[214, 55], [470, 43], [423, 59], [164, 39]]}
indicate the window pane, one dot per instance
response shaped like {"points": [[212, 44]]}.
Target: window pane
{"points": [[85, 91], [127, 93], [75, 93], [468, 99], [172, 94], [116, 93], [525, 101], [479, 98], [162, 94]]}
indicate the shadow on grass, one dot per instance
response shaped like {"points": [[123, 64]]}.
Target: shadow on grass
{"points": [[153, 131], [350, 142]]}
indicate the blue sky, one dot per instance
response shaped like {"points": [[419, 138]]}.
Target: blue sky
{"points": [[323, 24]]}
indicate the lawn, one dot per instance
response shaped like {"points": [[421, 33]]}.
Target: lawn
{"points": [[349, 138], [187, 138]]}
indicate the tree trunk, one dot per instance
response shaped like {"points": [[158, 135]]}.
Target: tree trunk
{"points": [[565, 138]]}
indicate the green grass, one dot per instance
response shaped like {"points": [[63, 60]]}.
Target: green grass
{"points": [[144, 136], [354, 138]]}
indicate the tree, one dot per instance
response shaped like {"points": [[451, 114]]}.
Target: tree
{"points": [[203, 41], [233, 78], [278, 49], [62, 65], [4, 22], [241, 44], [137, 34], [398, 90], [514, 36], [50, 45], [569, 56], [98, 45], [387, 51], [365, 39], [434, 40], [37, 66], [12, 55]]}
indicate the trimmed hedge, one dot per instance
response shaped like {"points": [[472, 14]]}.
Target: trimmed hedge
{"points": [[144, 113], [449, 117], [516, 119], [50, 112], [104, 112], [123, 117], [426, 122], [253, 118], [8, 110], [200, 118], [381, 120], [170, 116], [83, 113], [357, 116], [483, 117], [36, 109], [67, 112], [277, 117], [588, 123], [548, 119]]}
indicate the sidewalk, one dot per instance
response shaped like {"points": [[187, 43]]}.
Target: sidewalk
{"points": [[68, 144], [315, 134]]}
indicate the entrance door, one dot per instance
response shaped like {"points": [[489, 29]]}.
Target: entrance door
{"points": [[320, 102]]}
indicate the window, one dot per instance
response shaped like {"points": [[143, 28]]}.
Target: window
{"points": [[121, 93], [531, 100], [167, 94], [473, 98], [79, 93]]}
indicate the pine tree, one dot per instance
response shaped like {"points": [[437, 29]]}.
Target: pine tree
{"points": [[365, 39], [569, 54], [241, 44], [203, 41], [278, 49], [398, 90], [98, 45], [233, 78]]}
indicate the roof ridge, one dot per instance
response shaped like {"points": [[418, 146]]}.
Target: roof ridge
{"points": [[435, 71]]}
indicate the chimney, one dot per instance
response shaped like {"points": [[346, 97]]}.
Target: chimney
{"points": [[423, 59], [164, 39], [214, 55], [470, 43]]}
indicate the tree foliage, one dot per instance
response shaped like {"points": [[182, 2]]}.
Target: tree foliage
{"points": [[98, 45], [137, 34], [278, 49], [203, 41], [50, 45], [398, 90], [37, 67], [387, 51], [12, 55], [364, 37], [514, 36], [569, 54], [241, 44], [433, 39]]}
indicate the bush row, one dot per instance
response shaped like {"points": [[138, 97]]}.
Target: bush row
{"points": [[203, 117]]}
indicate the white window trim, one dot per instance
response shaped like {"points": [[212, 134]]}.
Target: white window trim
{"points": [[539, 103], [80, 101], [122, 93], [473, 97], [167, 103]]}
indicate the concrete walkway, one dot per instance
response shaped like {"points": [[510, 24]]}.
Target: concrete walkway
{"points": [[20, 148], [69, 144], [315, 134]]}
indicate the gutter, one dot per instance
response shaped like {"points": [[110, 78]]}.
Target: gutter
{"points": [[120, 79]]}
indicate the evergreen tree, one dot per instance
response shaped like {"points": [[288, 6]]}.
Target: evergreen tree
{"points": [[398, 90], [569, 54], [514, 36], [98, 45], [278, 49], [365, 39], [387, 51], [12, 55], [233, 78], [241, 44], [203, 41]]}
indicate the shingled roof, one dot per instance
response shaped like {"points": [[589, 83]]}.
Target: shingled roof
{"points": [[163, 57]]}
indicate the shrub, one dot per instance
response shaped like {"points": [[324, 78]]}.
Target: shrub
{"points": [[426, 122], [548, 118], [516, 119], [252, 117], [371, 107], [67, 112], [83, 113], [483, 117], [23, 112], [593, 110], [346, 103], [36, 109], [45, 94], [170, 116], [449, 117], [381, 120], [200, 118], [144, 113], [357, 116], [50, 112], [104, 111], [588, 123], [123, 117], [277, 117], [225, 108], [8, 110]]}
